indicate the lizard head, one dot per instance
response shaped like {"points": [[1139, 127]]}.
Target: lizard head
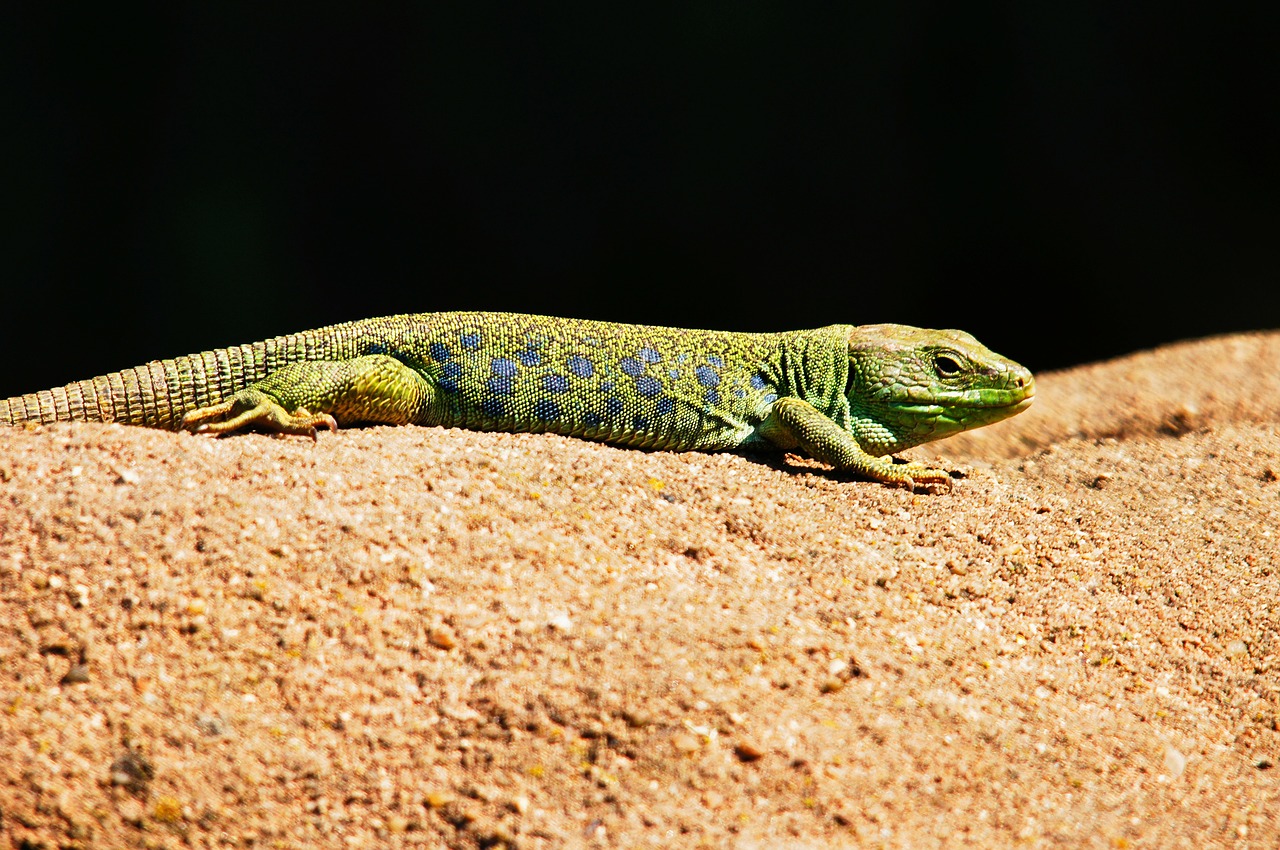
{"points": [[909, 386]]}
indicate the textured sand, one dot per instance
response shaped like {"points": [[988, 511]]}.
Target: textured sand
{"points": [[429, 637]]}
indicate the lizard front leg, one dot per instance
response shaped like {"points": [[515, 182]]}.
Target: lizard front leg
{"points": [[300, 397], [794, 423]]}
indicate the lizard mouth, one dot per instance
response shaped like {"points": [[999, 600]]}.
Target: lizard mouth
{"points": [[1013, 404], [1012, 400], [962, 411], [931, 401]]}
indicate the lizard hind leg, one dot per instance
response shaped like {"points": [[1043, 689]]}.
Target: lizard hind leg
{"points": [[300, 397]]}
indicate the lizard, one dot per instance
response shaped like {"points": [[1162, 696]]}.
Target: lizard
{"points": [[850, 396]]}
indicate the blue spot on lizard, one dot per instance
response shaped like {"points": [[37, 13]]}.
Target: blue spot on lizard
{"points": [[648, 386], [504, 371], [580, 367], [449, 374]]}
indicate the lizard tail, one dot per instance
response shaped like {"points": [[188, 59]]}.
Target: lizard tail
{"points": [[155, 394], [158, 393]]}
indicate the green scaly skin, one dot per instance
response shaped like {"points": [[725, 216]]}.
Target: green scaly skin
{"points": [[847, 395]]}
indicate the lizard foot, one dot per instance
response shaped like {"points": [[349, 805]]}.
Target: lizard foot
{"points": [[255, 409], [914, 475]]}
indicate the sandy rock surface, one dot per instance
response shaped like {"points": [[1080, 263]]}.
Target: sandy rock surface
{"points": [[429, 637]]}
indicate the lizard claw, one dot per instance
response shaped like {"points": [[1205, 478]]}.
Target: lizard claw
{"points": [[319, 420]]}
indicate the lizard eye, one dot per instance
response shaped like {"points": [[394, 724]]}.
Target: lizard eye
{"points": [[947, 366]]}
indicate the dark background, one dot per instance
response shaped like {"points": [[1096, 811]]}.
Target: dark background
{"points": [[1067, 181]]}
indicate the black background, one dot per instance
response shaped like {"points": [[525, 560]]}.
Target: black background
{"points": [[1067, 181]]}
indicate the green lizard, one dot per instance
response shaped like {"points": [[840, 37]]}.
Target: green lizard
{"points": [[846, 395]]}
